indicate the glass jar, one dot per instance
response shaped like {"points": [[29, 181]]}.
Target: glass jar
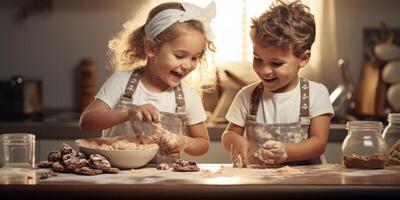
{"points": [[18, 150], [391, 134], [364, 146]]}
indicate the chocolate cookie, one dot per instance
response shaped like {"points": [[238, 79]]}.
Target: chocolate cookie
{"points": [[66, 149], [72, 161], [163, 166], [97, 161], [46, 175], [185, 166], [45, 164], [54, 156], [88, 171], [58, 167], [111, 170]]}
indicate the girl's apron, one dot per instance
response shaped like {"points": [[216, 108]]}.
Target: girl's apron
{"points": [[173, 122], [259, 133]]}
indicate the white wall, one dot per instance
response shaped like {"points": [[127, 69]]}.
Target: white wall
{"points": [[49, 46], [352, 17]]}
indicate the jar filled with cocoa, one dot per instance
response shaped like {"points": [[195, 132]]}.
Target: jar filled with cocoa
{"points": [[364, 146], [391, 134]]}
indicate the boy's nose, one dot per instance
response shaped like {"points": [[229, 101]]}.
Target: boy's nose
{"points": [[267, 70]]}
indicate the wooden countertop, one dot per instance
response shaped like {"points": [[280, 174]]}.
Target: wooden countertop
{"points": [[214, 180]]}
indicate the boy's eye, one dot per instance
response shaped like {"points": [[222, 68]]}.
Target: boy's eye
{"points": [[276, 64], [257, 60]]}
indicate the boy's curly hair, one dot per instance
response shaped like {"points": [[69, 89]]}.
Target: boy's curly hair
{"points": [[287, 26]]}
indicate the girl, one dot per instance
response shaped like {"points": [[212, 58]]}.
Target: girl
{"points": [[286, 117], [172, 42]]}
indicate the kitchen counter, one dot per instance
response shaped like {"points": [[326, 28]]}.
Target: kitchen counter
{"points": [[214, 180]]}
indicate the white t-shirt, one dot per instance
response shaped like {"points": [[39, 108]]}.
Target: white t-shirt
{"points": [[114, 88], [279, 107]]}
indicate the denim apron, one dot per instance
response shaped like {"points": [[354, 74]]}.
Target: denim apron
{"points": [[258, 133], [173, 122]]}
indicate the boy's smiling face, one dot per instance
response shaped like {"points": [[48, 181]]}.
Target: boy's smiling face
{"points": [[278, 68]]}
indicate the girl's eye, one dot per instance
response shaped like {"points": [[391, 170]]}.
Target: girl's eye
{"points": [[179, 56], [195, 59]]}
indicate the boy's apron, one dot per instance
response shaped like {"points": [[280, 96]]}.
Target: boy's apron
{"points": [[173, 122], [259, 133]]}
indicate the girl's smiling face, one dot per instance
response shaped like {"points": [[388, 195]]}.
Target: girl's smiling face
{"points": [[172, 61], [278, 68]]}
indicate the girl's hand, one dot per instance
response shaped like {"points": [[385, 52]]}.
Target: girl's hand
{"points": [[171, 143], [144, 113], [272, 152]]}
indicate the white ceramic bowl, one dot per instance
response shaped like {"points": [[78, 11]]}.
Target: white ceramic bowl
{"points": [[123, 159]]}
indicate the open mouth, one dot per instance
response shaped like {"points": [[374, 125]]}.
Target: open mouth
{"points": [[177, 75], [270, 80]]}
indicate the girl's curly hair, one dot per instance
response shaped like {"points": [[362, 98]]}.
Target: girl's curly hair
{"points": [[126, 49]]}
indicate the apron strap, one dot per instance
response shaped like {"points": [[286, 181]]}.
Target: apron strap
{"points": [[304, 102], [256, 98], [133, 83], [179, 99]]}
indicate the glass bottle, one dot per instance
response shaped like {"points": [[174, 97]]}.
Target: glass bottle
{"points": [[364, 146], [391, 134]]}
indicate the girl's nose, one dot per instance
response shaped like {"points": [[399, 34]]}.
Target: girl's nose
{"points": [[188, 64]]}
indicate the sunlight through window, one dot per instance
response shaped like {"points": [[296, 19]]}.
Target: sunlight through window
{"points": [[231, 28]]}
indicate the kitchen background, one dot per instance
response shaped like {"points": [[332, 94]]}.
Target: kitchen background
{"points": [[47, 40]]}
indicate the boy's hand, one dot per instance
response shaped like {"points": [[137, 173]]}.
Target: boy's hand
{"points": [[144, 113], [239, 154], [272, 152]]}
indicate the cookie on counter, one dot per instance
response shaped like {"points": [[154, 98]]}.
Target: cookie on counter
{"points": [[163, 166], [97, 161], [54, 156], [185, 166], [72, 161], [45, 164], [111, 170], [66, 149], [58, 167], [88, 171]]}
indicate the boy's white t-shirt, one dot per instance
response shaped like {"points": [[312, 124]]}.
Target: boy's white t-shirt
{"points": [[114, 87], [279, 107]]}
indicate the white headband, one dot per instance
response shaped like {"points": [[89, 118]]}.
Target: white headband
{"points": [[166, 18]]}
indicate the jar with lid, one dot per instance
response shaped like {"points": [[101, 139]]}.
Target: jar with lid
{"points": [[391, 134], [364, 146]]}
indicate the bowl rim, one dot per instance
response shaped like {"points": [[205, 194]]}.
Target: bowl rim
{"points": [[112, 150]]}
